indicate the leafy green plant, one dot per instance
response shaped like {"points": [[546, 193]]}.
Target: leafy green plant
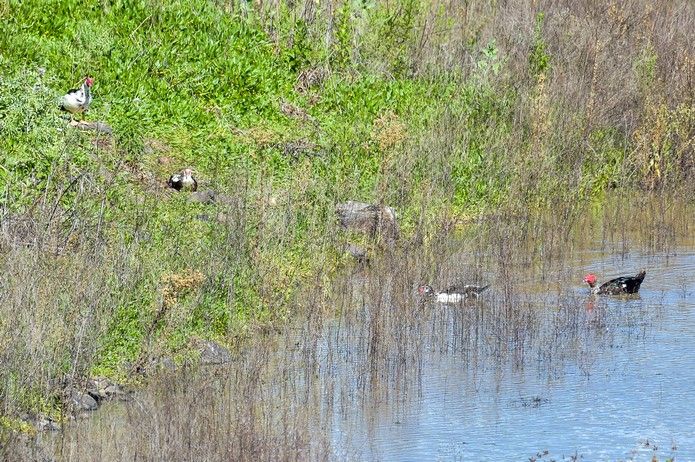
{"points": [[539, 59]]}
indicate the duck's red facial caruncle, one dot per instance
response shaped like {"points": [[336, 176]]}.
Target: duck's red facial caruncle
{"points": [[424, 290], [590, 279], [89, 81]]}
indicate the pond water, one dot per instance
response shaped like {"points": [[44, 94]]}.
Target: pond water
{"points": [[622, 390], [536, 368]]}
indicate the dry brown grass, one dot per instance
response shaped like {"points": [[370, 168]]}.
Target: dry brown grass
{"points": [[388, 131]]}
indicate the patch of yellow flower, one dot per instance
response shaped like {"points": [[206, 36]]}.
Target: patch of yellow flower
{"points": [[176, 285], [388, 131]]}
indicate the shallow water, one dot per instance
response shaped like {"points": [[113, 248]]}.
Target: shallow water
{"points": [[537, 368], [623, 387]]}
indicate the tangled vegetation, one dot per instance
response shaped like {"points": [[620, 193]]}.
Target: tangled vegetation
{"points": [[441, 109]]}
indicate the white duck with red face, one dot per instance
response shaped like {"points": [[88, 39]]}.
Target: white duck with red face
{"points": [[77, 101]]}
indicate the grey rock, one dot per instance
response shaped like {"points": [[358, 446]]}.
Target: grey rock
{"points": [[83, 401], [103, 389], [358, 253], [211, 197], [373, 220], [203, 197], [214, 353], [46, 424], [99, 127]]}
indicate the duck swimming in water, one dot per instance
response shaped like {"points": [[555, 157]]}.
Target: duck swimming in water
{"points": [[454, 294], [617, 286]]}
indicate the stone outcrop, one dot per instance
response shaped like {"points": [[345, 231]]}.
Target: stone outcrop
{"points": [[358, 253], [102, 389], [209, 196], [80, 401], [99, 127], [377, 221]]}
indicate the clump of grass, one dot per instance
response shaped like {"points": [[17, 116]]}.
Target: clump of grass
{"points": [[177, 285], [388, 131]]}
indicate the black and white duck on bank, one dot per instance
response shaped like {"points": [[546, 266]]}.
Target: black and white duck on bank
{"points": [[183, 180], [77, 100]]}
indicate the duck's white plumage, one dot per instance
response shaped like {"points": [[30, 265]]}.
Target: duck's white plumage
{"points": [[183, 180], [449, 298], [454, 294], [78, 100]]}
